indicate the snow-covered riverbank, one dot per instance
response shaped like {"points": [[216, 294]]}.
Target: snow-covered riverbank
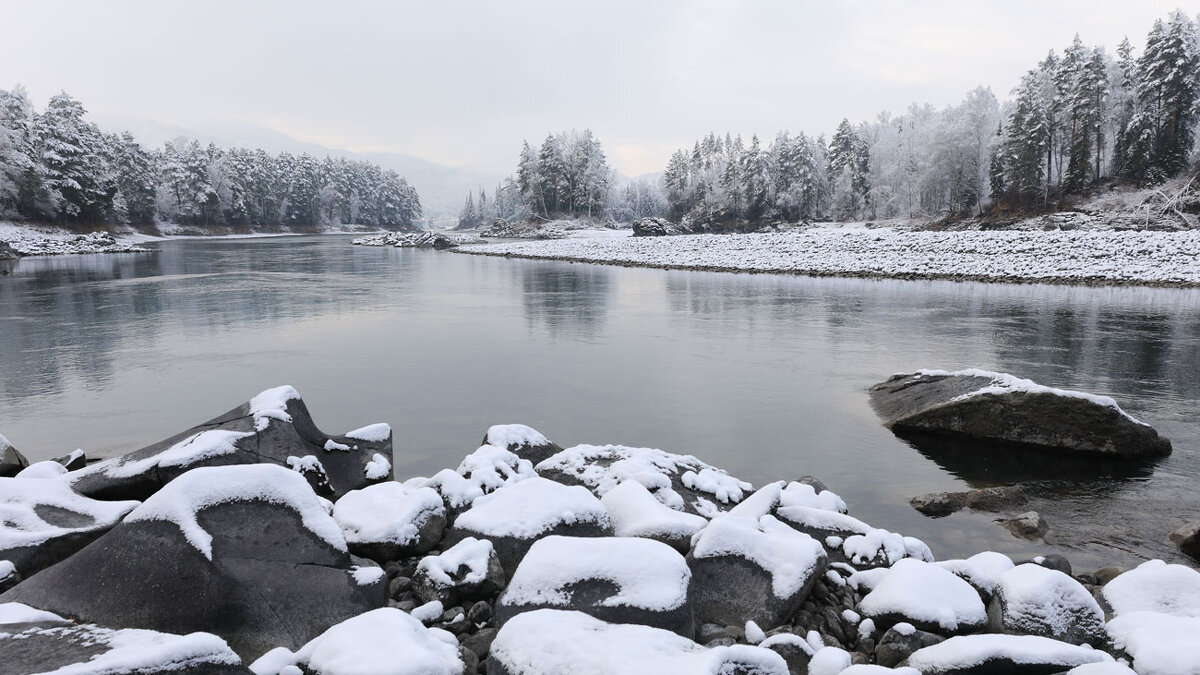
{"points": [[1073, 257]]}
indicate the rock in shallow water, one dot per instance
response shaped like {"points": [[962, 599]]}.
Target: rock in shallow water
{"points": [[1000, 407]]}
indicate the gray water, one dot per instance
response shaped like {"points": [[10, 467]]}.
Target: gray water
{"points": [[765, 376]]}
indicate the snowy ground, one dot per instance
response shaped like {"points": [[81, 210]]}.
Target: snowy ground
{"points": [[1075, 256]]}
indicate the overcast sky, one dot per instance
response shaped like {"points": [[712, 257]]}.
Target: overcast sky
{"points": [[461, 83]]}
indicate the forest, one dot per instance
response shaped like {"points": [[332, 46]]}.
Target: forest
{"points": [[56, 167]]}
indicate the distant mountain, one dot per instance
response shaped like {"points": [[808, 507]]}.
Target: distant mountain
{"points": [[442, 188]]}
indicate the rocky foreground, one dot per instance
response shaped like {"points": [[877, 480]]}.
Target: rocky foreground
{"points": [[1057, 256], [257, 543]]}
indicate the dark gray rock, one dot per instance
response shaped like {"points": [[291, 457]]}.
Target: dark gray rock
{"points": [[656, 227], [983, 405], [45, 646], [480, 643], [11, 461], [1187, 538], [271, 580], [481, 612], [938, 504], [1052, 561], [256, 438], [897, 644], [1029, 525], [469, 570], [73, 461], [795, 651]]}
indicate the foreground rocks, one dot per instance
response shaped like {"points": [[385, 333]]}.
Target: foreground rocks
{"points": [[998, 407], [529, 558]]}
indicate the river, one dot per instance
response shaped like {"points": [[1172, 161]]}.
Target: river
{"points": [[765, 376]]}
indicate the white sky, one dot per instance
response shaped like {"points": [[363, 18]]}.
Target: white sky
{"points": [[461, 83]]}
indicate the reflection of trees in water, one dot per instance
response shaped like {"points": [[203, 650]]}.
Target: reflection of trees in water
{"points": [[566, 299], [70, 314]]}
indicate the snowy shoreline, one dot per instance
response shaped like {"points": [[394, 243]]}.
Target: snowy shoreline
{"points": [[1170, 259]]}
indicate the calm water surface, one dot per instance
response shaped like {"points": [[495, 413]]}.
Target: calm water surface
{"points": [[765, 376]]}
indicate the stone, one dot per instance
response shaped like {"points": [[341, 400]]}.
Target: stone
{"points": [[76, 460], [271, 427], [1029, 525], [481, 642], [44, 643], [1187, 538], [1053, 561], [938, 504], [795, 650], [11, 460], [9, 575], [991, 653], [7, 252], [926, 596], [656, 227], [480, 613], [615, 579], [524, 442], [390, 520], [999, 407], [1107, 574], [246, 552], [469, 570], [1035, 600]]}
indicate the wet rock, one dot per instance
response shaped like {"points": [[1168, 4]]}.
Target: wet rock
{"points": [[271, 427], [1187, 538], [939, 504], [1053, 561], [1029, 525], [246, 552], [1000, 407]]}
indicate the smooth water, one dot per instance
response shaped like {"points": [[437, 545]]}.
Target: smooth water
{"points": [[765, 376]]}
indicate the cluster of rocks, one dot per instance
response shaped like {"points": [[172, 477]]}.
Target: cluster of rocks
{"points": [[27, 244], [423, 239], [661, 227], [257, 543], [502, 229]]}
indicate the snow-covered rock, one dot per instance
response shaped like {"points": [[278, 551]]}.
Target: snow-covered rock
{"points": [[383, 641], [35, 641], [389, 520], [615, 579], [900, 641], [752, 569], [926, 596], [9, 575], [485, 470], [1035, 600], [680, 482], [503, 230], [636, 513], [1155, 586], [27, 243], [1157, 608], [1017, 654], [11, 461], [271, 427], [548, 642], [880, 548], [982, 570], [424, 239], [248, 552], [42, 520], [525, 442], [1000, 407], [469, 570], [518, 514]]}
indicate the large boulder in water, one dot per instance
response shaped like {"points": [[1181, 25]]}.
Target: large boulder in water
{"points": [[274, 427], [246, 552], [1000, 407]]}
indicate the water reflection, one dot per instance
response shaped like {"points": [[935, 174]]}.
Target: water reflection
{"points": [[565, 299]]}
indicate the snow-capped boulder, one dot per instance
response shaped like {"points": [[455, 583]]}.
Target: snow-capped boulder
{"points": [[487, 469], [11, 461], [42, 520], [747, 569], [271, 427], [680, 482], [1016, 654], [389, 520], [982, 570], [35, 641], [821, 524], [383, 641], [880, 548], [926, 596], [549, 641], [1034, 600], [615, 579], [524, 442], [900, 641], [1155, 586], [636, 513], [248, 552], [1157, 608], [1000, 407], [76, 459], [469, 570], [9, 575], [518, 514]]}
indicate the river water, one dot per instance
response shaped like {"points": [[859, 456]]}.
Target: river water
{"points": [[765, 376]]}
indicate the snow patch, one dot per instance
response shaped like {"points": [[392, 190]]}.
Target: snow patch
{"points": [[21, 526], [386, 512], [788, 556], [378, 468], [471, 553], [1004, 383], [967, 651], [920, 591], [510, 435], [366, 575], [530, 507], [372, 433]]}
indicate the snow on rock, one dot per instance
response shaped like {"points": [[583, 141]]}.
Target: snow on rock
{"points": [[35, 641], [9, 576], [514, 516], [1102, 668], [46, 469], [635, 512], [525, 442], [1155, 586], [668, 476], [181, 499], [803, 494], [389, 520], [367, 575], [615, 579], [333, 446], [748, 569], [42, 520], [1076, 256], [430, 611], [982, 570], [547, 641], [423, 239], [1004, 383], [469, 570], [272, 404], [485, 470], [880, 548], [372, 433], [870, 669], [1002, 653], [823, 523], [378, 468], [1036, 600], [28, 243], [926, 596], [829, 661], [384, 641], [1160, 644]]}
